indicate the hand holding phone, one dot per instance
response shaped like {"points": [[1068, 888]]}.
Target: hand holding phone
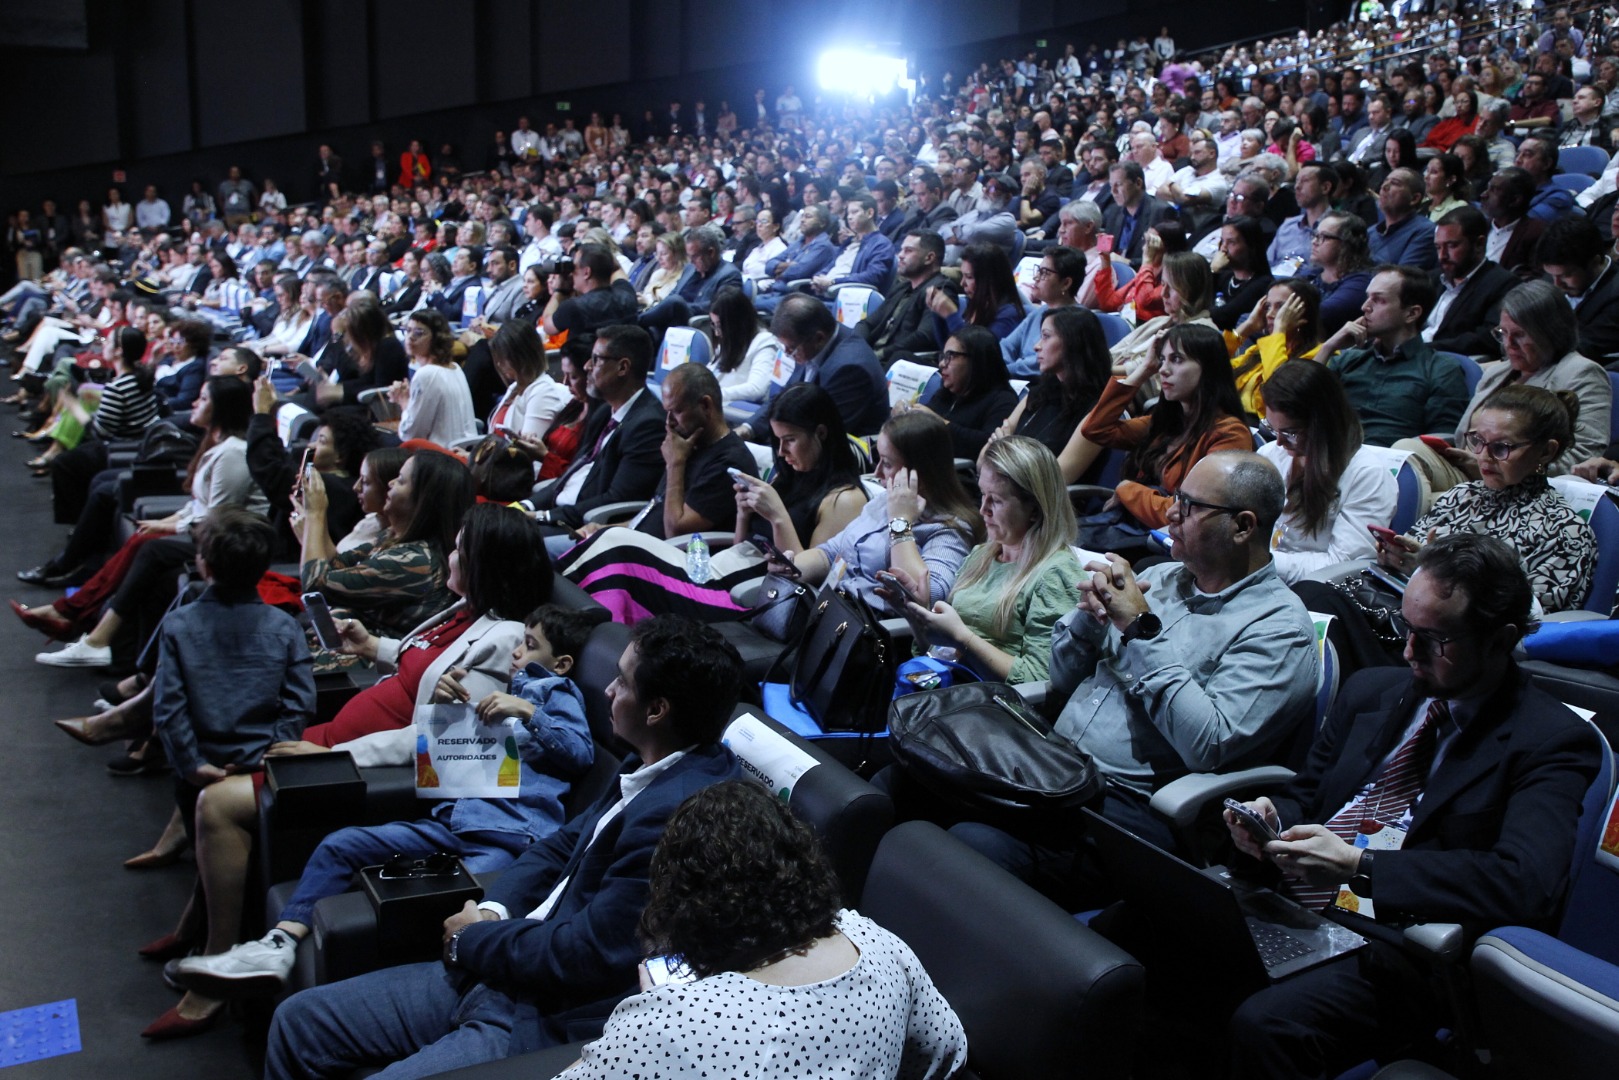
{"points": [[1260, 829], [320, 617], [1104, 243], [1435, 443], [1383, 534], [897, 586]]}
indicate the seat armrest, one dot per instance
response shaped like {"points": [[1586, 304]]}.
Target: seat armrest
{"points": [[1436, 942], [1181, 801], [613, 513], [1034, 693], [716, 540], [1076, 492]]}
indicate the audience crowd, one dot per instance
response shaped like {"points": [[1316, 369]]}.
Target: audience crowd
{"points": [[874, 341]]}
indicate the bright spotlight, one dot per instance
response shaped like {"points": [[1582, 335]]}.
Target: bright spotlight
{"points": [[860, 74]]}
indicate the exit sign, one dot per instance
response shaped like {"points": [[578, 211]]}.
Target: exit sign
{"points": [[564, 106], [1039, 43]]}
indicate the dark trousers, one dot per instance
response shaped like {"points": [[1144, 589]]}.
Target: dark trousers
{"points": [[482, 378], [95, 524], [72, 475]]}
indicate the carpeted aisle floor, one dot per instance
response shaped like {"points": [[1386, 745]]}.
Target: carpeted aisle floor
{"points": [[71, 916]]}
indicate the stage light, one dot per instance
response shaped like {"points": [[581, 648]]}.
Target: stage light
{"points": [[860, 74]]}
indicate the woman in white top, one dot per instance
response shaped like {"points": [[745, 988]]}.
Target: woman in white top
{"points": [[771, 977], [115, 216], [770, 245], [533, 400], [744, 355], [272, 201], [671, 255], [437, 401], [296, 299], [1336, 487]]}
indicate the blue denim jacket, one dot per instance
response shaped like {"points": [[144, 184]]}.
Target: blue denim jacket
{"points": [[553, 748], [233, 676]]}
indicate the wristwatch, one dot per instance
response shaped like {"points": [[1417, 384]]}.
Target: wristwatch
{"points": [[1143, 627], [898, 529], [455, 945], [1361, 883]]}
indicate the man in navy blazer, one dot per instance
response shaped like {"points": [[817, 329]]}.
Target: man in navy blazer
{"points": [[805, 257], [833, 357], [1487, 841], [553, 947], [869, 255]]}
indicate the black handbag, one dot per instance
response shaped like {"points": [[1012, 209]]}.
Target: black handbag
{"points": [[844, 673], [783, 608], [979, 745]]}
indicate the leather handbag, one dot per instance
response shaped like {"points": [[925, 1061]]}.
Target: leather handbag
{"points": [[783, 608], [844, 673], [980, 745]]}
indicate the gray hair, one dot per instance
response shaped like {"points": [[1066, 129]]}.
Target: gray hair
{"points": [[313, 236], [1269, 162], [1082, 211], [1543, 312], [1253, 484], [1253, 102], [707, 237], [1253, 133]]}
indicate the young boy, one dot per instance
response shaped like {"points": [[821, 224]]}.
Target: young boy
{"points": [[554, 746], [233, 673]]}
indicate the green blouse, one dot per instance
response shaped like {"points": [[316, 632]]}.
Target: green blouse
{"points": [[1052, 593]]}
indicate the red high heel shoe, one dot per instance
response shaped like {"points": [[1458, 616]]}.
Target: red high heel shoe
{"points": [[57, 629], [171, 1025]]}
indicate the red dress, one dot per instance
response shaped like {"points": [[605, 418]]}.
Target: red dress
{"points": [[563, 443]]}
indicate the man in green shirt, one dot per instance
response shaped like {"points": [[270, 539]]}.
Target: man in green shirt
{"points": [[1397, 383]]}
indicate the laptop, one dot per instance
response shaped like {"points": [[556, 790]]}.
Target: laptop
{"points": [[1249, 930]]}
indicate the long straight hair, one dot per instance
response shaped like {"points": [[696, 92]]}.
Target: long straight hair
{"points": [[922, 442], [1172, 433], [1314, 398]]}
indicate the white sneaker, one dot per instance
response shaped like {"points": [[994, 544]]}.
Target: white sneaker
{"points": [[79, 654], [260, 966]]}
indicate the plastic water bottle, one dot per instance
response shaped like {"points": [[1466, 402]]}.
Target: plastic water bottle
{"points": [[697, 560]]}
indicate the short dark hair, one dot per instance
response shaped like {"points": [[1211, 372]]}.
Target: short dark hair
{"points": [[1068, 264], [505, 571], [1469, 219], [736, 880], [690, 666], [1570, 241], [800, 317], [353, 436], [565, 629], [1489, 573], [624, 342], [929, 240], [1130, 170], [597, 261], [237, 546], [1416, 288]]}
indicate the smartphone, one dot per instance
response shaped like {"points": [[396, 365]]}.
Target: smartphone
{"points": [[776, 555], [1434, 443], [1104, 243], [739, 476], [669, 970], [303, 469], [898, 586], [1383, 533], [1257, 826], [320, 617]]}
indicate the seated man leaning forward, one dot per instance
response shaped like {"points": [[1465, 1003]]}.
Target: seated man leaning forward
{"points": [[1203, 665], [552, 949], [1445, 793]]}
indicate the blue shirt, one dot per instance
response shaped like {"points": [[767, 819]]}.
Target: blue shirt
{"points": [[1410, 243]]}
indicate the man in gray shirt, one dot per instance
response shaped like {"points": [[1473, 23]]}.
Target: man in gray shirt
{"points": [[1203, 665]]}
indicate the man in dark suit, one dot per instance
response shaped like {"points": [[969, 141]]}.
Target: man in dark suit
{"points": [[1446, 793], [830, 356], [1574, 255], [1513, 233], [328, 174], [1133, 211], [1470, 287], [553, 947], [619, 457], [929, 210], [901, 323]]}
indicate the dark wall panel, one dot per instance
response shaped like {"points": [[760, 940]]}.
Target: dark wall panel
{"points": [[250, 70], [76, 122], [424, 57], [152, 54], [655, 42], [49, 24], [505, 68], [340, 84], [723, 33], [586, 44]]}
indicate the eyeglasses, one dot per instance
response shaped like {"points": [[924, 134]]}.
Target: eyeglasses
{"points": [[1502, 337], [1042, 272], [1185, 504], [1500, 449], [1289, 437], [947, 355], [1422, 641], [438, 864], [1322, 237]]}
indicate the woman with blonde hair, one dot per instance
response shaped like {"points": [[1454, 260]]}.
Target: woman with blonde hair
{"points": [[1188, 296], [1012, 589]]}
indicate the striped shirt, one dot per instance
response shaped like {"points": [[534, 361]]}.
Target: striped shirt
{"points": [[125, 411]]}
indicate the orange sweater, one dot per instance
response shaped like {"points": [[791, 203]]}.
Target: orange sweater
{"points": [[1106, 426]]}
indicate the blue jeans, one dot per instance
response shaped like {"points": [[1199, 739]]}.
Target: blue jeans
{"points": [[422, 1018], [332, 867]]}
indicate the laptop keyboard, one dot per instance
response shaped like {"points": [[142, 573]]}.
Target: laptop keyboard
{"points": [[1277, 946]]}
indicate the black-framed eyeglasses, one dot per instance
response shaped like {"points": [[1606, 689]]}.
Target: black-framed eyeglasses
{"points": [[1324, 237], [947, 355], [1043, 272], [1499, 449], [438, 864], [1185, 504], [1423, 641]]}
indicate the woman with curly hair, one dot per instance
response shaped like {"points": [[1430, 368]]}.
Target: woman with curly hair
{"points": [[744, 900], [437, 401]]}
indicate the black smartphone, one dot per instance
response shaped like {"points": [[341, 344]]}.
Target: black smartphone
{"points": [[898, 586], [776, 555], [1257, 826], [320, 617]]}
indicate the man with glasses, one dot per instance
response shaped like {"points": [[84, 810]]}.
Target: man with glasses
{"points": [[1447, 792], [620, 456], [1203, 665], [1397, 383], [833, 357], [1250, 195], [1313, 191]]}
